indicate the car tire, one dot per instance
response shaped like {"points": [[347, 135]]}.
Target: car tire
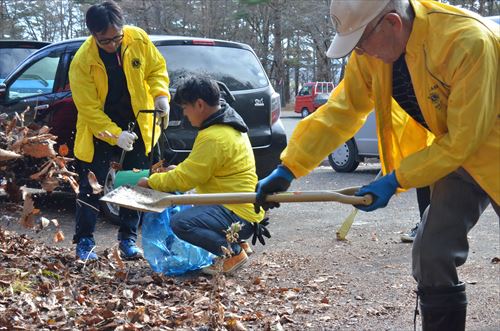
{"points": [[110, 210], [304, 112], [344, 158]]}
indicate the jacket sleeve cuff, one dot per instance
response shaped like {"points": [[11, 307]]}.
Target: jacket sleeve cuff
{"points": [[403, 183], [153, 182]]}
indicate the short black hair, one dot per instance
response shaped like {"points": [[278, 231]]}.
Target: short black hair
{"points": [[101, 16], [193, 88]]}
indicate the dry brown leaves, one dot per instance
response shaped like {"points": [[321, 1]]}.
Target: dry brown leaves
{"points": [[96, 187], [31, 148], [6, 155], [46, 288], [23, 147], [27, 219]]}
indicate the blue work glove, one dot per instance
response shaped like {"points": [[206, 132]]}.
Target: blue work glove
{"points": [[381, 189], [278, 181]]}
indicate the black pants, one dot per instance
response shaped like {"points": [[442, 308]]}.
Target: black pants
{"points": [[87, 204], [423, 199]]}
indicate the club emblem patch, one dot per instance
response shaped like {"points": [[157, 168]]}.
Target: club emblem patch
{"points": [[136, 63]]}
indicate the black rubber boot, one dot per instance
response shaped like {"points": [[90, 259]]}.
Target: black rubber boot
{"points": [[443, 308]]}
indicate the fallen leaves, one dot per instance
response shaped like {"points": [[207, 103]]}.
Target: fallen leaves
{"points": [[46, 288], [117, 257], [27, 153], [96, 187], [6, 155], [41, 147], [27, 219]]}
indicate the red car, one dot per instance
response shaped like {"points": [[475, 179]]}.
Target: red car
{"points": [[311, 96]]}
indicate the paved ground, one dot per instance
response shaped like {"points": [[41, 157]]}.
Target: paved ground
{"points": [[366, 280]]}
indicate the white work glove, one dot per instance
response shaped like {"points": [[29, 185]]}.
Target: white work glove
{"points": [[126, 140], [161, 103]]}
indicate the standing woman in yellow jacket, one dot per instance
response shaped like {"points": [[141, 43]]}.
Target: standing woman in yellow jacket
{"points": [[116, 72], [442, 130]]}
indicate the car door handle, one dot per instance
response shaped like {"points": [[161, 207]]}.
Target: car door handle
{"points": [[174, 123], [41, 107]]}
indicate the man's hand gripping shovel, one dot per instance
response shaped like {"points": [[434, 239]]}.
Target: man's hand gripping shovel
{"points": [[346, 225]]}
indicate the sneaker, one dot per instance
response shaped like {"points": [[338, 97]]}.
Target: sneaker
{"points": [[246, 247], [410, 235], [129, 249], [229, 265], [85, 249]]}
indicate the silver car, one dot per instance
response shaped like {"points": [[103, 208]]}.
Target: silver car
{"points": [[363, 145]]}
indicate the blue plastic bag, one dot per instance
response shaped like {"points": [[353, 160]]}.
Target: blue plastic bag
{"points": [[164, 251]]}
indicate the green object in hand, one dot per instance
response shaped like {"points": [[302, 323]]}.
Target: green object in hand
{"points": [[129, 177]]}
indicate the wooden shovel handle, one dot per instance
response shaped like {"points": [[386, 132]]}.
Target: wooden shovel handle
{"points": [[344, 196]]}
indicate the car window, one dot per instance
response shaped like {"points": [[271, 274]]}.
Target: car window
{"points": [[66, 86], [36, 79], [238, 68], [305, 90], [10, 58], [322, 89]]}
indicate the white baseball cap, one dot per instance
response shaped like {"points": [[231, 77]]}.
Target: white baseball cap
{"points": [[350, 18]]}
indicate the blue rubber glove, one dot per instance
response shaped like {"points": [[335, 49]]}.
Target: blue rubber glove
{"points": [[278, 181], [382, 190]]}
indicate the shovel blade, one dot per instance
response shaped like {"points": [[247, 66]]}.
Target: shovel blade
{"points": [[137, 198]]}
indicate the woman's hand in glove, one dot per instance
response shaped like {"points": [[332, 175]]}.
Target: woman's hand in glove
{"points": [[126, 140], [162, 104]]}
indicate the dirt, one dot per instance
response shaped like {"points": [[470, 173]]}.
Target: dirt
{"points": [[304, 278]]}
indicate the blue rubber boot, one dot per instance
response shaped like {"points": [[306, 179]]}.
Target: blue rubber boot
{"points": [[85, 249], [129, 249]]}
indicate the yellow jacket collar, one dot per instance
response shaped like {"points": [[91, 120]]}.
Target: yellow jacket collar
{"points": [[419, 29]]}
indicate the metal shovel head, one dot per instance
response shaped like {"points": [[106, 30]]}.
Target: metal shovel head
{"points": [[135, 197], [143, 199]]}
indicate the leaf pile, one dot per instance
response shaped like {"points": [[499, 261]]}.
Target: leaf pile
{"points": [[27, 157], [47, 288]]}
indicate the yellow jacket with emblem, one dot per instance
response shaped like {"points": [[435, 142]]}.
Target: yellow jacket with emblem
{"points": [[146, 73], [453, 57]]}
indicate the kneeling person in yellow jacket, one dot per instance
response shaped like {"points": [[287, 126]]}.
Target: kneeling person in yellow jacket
{"points": [[222, 160]]}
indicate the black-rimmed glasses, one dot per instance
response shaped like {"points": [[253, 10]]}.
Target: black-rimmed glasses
{"points": [[115, 39]]}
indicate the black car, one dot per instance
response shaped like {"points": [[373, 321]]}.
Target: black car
{"points": [[13, 52], [41, 82]]}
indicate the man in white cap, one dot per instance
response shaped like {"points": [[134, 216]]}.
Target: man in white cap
{"points": [[430, 71]]}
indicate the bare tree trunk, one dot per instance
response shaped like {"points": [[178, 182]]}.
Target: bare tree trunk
{"points": [[298, 54], [265, 39], [278, 48], [3, 18]]}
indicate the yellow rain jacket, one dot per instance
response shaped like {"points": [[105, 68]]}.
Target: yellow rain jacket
{"points": [[147, 78], [453, 57], [221, 161]]}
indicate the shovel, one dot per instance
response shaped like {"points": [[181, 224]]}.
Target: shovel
{"points": [[346, 225], [143, 199]]}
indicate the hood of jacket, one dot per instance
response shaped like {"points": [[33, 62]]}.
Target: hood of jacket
{"points": [[225, 115]]}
